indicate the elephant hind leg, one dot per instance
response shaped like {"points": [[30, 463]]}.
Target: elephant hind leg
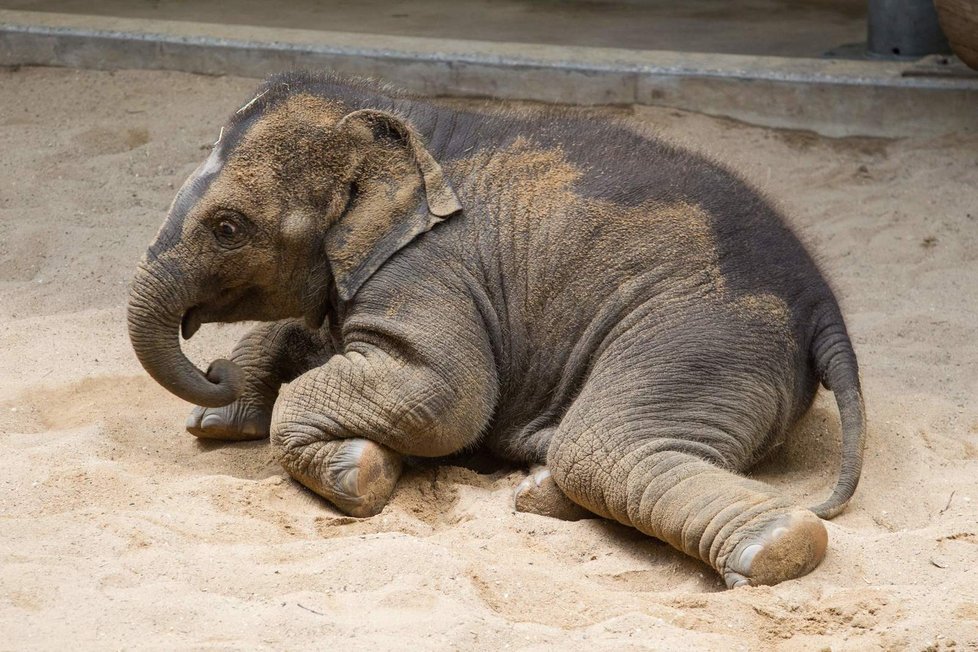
{"points": [[667, 488]]}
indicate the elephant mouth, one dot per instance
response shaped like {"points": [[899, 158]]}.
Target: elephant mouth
{"points": [[236, 304], [190, 323]]}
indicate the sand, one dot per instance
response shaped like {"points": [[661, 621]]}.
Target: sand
{"points": [[120, 530]]}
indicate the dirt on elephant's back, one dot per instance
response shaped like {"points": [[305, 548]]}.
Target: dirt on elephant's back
{"points": [[120, 529]]}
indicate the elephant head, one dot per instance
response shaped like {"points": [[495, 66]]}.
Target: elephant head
{"points": [[298, 195]]}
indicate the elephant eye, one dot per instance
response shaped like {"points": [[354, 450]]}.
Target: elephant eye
{"points": [[228, 231]]}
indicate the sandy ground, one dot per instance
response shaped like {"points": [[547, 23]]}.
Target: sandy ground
{"points": [[118, 529]]}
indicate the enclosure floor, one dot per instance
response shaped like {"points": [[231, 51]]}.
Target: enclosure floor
{"points": [[120, 530], [790, 28]]}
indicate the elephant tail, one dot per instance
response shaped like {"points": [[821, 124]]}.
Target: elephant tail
{"points": [[837, 368]]}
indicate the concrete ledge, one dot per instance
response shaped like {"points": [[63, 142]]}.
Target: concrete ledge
{"points": [[832, 97]]}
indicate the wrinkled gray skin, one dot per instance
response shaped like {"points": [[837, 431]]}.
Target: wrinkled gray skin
{"points": [[630, 319]]}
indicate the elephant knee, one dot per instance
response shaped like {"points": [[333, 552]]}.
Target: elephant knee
{"points": [[297, 432], [290, 435]]}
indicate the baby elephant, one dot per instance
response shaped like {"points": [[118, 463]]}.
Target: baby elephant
{"points": [[628, 317]]}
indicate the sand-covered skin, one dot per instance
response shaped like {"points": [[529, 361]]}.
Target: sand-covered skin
{"points": [[118, 529]]}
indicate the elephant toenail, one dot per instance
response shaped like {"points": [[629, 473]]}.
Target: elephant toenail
{"points": [[747, 556], [347, 467], [211, 421], [540, 476], [734, 579], [521, 488]]}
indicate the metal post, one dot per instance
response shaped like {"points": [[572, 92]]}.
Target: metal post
{"points": [[902, 29]]}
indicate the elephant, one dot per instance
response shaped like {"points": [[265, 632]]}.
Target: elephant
{"points": [[627, 318]]}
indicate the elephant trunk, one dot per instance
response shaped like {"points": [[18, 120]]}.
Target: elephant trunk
{"points": [[157, 305]]}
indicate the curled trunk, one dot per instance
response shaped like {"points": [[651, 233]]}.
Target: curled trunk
{"points": [[157, 305]]}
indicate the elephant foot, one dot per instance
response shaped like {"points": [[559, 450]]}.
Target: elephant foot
{"points": [[362, 475], [239, 421], [539, 494], [356, 475], [789, 546]]}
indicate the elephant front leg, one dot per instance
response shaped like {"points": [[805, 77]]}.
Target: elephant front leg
{"points": [[341, 429], [270, 354]]}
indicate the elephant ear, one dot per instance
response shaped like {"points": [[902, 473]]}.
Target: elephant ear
{"points": [[399, 192]]}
